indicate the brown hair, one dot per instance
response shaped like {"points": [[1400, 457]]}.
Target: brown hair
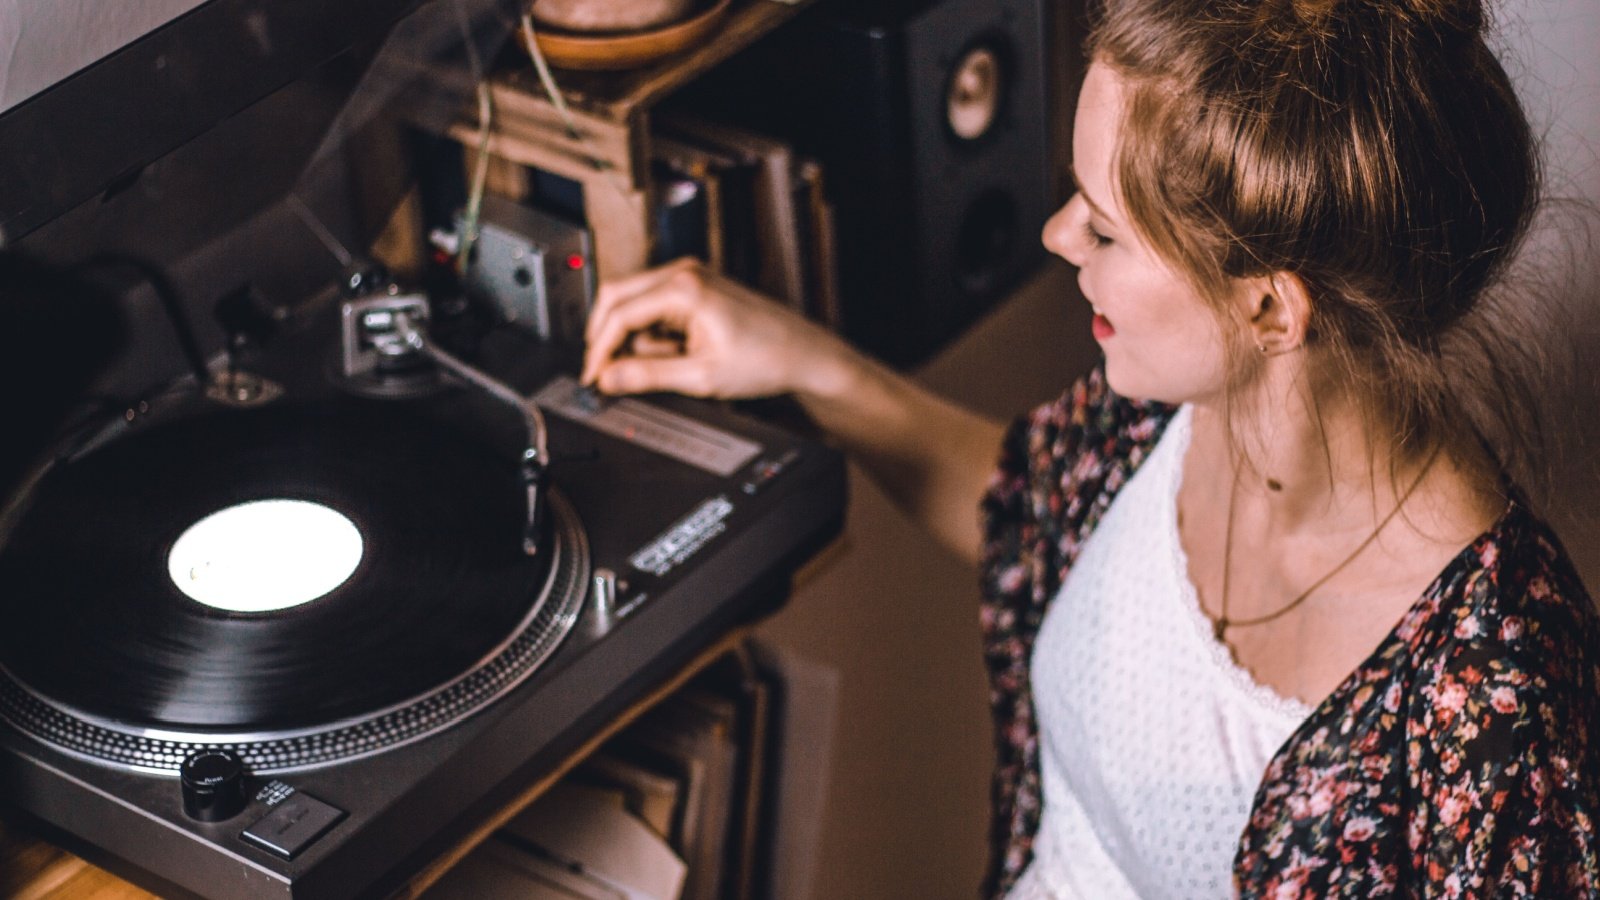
{"points": [[1373, 148]]}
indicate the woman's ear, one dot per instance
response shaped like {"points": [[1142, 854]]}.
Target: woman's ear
{"points": [[1279, 310]]}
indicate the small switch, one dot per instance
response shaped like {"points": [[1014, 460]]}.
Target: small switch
{"points": [[293, 824], [763, 471]]}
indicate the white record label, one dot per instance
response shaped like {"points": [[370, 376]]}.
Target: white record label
{"points": [[265, 555]]}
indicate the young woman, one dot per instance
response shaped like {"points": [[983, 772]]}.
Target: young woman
{"points": [[1266, 611]]}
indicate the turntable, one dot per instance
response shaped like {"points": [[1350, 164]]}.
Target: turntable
{"points": [[289, 630], [270, 648]]}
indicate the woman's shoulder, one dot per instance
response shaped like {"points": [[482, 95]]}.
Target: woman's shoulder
{"points": [[1092, 410], [1512, 648], [1088, 423], [1514, 592], [1467, 752], [1061, 464]]}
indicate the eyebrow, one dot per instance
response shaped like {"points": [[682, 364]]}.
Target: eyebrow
{"points": [[1093, 206]]}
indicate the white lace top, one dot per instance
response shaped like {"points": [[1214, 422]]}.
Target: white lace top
{"points": [[1153, 740]]}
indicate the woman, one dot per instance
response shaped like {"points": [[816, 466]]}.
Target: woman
{"points": [[1313, 642]]}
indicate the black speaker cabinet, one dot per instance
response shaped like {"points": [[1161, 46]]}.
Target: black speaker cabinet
{"points": [[931, 122]]}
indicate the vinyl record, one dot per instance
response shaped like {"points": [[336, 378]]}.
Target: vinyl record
{"points": [[95, 622]]}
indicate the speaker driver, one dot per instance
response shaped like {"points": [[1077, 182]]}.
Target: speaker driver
{"points": [[974, 92], [987, 240]]}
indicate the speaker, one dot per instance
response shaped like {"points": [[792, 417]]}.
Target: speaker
{"points": [[930, 120]]}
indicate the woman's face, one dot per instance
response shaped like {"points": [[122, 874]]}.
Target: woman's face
{"points": [[1161, 339]]}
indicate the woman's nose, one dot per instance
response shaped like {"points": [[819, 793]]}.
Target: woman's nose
{"points": [[1063, 232]]}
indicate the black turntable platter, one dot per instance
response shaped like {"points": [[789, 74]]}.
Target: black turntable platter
{"points": [[96, 624]]}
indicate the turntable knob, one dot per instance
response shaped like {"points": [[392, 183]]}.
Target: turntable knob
{"points": [[213, 785], [605, 598]]}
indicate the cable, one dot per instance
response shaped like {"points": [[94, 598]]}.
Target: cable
{"points": [[543, 68], [480, 178], [559, 101]]}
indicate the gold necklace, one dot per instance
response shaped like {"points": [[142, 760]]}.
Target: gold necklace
{"points": [[1220, 626]]}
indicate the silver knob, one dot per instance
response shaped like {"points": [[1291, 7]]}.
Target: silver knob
{"points": [[605, 597]]}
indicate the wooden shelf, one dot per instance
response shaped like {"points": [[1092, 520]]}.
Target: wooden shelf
{"points": [[610, 154], [618, 96]]}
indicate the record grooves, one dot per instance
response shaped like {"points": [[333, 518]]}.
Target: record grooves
{"points": [[105, 657]]}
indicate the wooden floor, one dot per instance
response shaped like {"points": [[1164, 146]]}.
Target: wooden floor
{"points": [[33, 870]]}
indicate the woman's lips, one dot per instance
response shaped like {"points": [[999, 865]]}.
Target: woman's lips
{"points": [[1102, 327]]}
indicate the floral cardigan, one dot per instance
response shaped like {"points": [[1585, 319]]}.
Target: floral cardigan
{"points": [[1462, 758]]}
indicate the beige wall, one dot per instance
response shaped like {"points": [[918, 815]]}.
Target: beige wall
{"points": [[1550, 51], [906, 798]]}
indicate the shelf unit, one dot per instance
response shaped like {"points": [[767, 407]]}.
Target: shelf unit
{"points": [[610, 156]]}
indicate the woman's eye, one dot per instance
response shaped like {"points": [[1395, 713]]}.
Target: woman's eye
{"points": [[1099, 239]]}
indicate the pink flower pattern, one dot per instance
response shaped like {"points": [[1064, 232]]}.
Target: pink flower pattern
{"points": [[1460, 759]]}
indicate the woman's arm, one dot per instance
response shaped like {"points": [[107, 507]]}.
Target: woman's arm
{"points": [[682, 328]]}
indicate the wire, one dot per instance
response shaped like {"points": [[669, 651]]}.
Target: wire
{"points": [[480, 171], [480, 178], [549, 81], [597, 159]]}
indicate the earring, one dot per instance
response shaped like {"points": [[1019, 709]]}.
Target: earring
{"points": [[1262, 347]]}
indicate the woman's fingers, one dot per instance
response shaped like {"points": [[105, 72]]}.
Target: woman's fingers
{"points": [[620, 290], [628, 316], [681, 328], [648, 343], [679, 374]]}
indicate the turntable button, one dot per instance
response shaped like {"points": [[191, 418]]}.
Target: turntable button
{"points": [[762, 471], [293, 824], [212, 781]]}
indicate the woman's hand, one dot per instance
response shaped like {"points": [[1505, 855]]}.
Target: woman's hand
{"points": [[681, 328], [685, 329]]}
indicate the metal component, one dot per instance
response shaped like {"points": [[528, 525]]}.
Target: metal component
{"points": [[242, 389], [394, 327], [604, 592], [368, 330], [523, 265], [535, 458], [650, 426]]}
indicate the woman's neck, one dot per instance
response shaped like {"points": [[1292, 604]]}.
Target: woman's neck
{"points": [[1310, 457]]}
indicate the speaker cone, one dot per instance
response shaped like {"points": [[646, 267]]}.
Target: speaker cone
{"points": [[972, 97], [986, 240]]}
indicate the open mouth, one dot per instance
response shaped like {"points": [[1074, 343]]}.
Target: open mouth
{"points": [[1102, 327]]}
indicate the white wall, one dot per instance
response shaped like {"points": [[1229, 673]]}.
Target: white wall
{"points": [[1552, 50], [44, 41]]}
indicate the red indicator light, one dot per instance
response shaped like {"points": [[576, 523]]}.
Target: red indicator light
{"points": [[575, 262]]}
